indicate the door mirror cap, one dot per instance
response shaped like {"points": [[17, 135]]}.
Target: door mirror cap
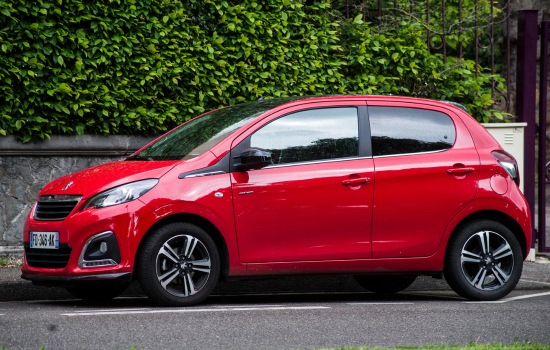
{"points": [[254, 158]]}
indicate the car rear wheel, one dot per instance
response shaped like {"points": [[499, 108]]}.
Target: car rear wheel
{"points": [[484, 261], [385, 284], [97, 292], [178, 265]]}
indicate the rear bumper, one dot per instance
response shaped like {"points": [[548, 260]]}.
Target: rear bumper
{"points": [[65, 281]]}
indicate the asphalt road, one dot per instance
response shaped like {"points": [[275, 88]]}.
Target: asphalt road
{"points": [[277, 321]]}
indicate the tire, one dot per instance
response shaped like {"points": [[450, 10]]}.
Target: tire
{"points": [[385, 284], [476, 270], [178, 265], [97, 292]]}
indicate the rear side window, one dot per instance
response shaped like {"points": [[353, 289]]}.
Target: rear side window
{"points": [[397, 130], [315, 134]]}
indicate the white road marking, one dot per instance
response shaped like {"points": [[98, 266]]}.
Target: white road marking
{"points": [[509, 299], [195, 310], [389, 303], [234, 306], [530, 281], [109, 310]]}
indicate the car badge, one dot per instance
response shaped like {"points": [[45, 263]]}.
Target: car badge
{"points": [[67, 186]]}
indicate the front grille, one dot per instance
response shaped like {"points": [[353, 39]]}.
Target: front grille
{"points": [[48, 258], [55, 207]]}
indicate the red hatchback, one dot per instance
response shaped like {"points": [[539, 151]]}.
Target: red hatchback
{"points": [[382, 188]]}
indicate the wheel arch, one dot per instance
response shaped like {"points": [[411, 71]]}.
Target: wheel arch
{"points": [[497, 216], [201, 222]]}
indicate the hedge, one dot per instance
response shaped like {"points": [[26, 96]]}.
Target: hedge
{"points": [[143, 67]]}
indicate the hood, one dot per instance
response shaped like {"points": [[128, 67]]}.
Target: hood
{"points": [[89, 182]]}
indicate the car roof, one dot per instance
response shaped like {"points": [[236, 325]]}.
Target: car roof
{"points": [[270, 103]]}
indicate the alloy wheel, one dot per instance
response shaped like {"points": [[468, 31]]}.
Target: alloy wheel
{"points": [[487, 260], [183, 265]]}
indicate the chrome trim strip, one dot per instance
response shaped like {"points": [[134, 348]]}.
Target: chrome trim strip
{"points": [[99, 263], [314, 162], [205, 174], [62, 198], [83, 263], [410, 154]]}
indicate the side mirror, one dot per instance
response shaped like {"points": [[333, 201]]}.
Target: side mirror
{"points": [[254, 158]]}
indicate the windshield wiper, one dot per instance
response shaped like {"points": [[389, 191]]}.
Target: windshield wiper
{"points": [[138, 157]]}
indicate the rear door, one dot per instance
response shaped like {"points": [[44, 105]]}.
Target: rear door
{"points": [[427, 170], [315, 201]]}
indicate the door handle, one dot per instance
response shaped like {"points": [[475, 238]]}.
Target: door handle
{"points": [[357, 181], [460, 171]]}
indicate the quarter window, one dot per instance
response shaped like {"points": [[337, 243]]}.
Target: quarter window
{"points": [[396, 130], [315, 134]]}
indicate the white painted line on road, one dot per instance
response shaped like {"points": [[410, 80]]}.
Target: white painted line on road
{"points": [[389, 303], [196, 310], [234, 306], [527, 296], [112, 310], [531, 281], [509, 299]]}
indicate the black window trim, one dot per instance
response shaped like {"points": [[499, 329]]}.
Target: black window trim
{"points": [[365, 148]]}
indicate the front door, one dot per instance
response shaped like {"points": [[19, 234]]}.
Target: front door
{"points": [[315, 201]]}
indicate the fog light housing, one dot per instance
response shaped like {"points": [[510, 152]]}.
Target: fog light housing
{"points": [[100, 250]]}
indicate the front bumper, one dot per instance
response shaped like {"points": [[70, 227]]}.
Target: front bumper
{"points": [[61, 281], [129, 222]]}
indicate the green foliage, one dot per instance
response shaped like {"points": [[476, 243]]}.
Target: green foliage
{"points": [[128, 67], [398, 63], [527, 345]]}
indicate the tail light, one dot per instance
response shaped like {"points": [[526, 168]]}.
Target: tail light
{"points": [[508, 163]]}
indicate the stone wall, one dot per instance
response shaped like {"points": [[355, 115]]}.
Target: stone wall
{"points": [[26, 168]]}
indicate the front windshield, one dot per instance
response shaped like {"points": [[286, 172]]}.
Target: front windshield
{"points": [[200, 135]]}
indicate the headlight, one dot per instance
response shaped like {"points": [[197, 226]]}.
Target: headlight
{"points": [[121, 194]]}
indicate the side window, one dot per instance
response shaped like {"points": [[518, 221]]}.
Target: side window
{"points": [[315, 134], [397, 130]]}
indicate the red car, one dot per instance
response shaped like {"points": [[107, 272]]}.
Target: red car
{"points": [[383, 188]]}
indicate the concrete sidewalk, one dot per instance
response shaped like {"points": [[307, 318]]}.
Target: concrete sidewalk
{"points": [[536, 276]]}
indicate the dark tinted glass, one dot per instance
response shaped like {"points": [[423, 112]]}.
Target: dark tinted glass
{"points": [[315, 134], [396, 130]]}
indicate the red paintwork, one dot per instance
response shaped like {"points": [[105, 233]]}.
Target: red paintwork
{"points": [[415, 197], [499, 184], [304, 219], [303, 212], [91, 181]]}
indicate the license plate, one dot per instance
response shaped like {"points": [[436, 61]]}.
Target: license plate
{"points": [[45, 240]]}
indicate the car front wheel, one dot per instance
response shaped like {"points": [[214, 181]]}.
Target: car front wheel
{"points": [[178, 265], [484, 261]]}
